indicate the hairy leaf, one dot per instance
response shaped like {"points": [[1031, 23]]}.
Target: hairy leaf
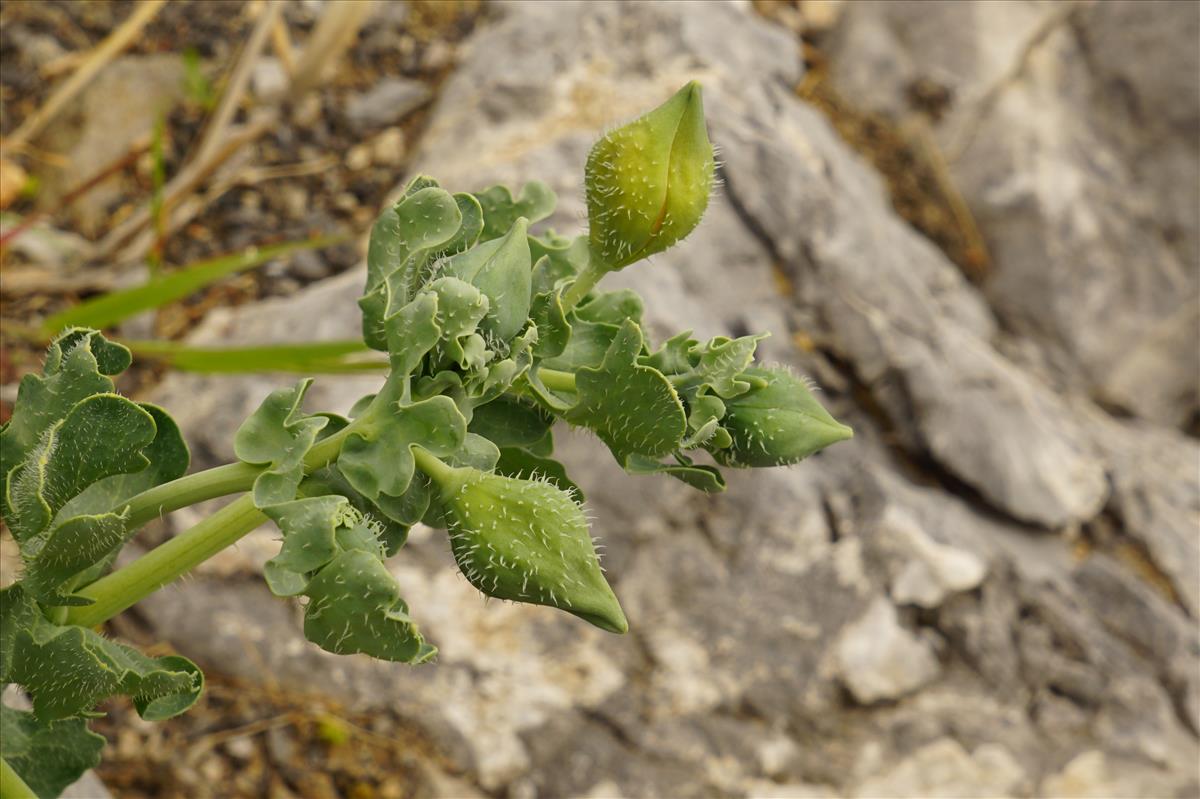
{"points": [[47, 755], [280, 435], [632, 408]]}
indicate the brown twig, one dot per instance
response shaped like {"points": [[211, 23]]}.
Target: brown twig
{"points": [[118, 164], [108, 49], [235, 88], [335, 32]]}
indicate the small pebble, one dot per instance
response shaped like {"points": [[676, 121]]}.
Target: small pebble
{"points": [[359, 157]]}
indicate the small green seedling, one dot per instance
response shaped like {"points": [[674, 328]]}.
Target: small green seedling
{"points": [[492, 334]]}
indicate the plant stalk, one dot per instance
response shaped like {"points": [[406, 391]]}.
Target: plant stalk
{"points": [[127, 586], [188, 490], [557, 380], [586, 281], [11, 784]]}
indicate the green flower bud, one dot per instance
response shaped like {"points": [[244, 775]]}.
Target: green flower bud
{"points": [[528, 541], [648, 182], [776, 422]]}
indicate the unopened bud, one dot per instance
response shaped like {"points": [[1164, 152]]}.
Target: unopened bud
{"points": [[648, 182], [528, 541], [777, 422]]}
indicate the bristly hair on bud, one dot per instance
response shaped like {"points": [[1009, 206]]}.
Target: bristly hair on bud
{"points": [[648, 182], [526, 541]]}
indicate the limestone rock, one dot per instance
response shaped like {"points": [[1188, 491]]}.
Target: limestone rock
{"points": [[878, 659], [1079, 163]]}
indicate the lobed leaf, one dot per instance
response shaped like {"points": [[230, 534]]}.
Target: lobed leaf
{"points": [[632, 408], [47, 755], [501, 210], [278, 435]]}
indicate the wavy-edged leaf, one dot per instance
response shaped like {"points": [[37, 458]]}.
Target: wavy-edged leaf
{"points": [[47, 755], [100, 436], [612, 307], [501, 270], [510, 422], [355, 607], [460, 309], [500, 209], [377, 460], [78, 364], [521, 463], [632, 408], [705, 478], [587, 346], [720, 364], [67, 670], [404, 240], [554, 331], [557, 259], [280, 435]]}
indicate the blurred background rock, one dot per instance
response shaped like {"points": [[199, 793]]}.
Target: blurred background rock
{"points": [[973, 224]]}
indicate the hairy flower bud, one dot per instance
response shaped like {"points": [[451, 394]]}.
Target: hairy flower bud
{"points": [[777, 422], [648, 182], [528, 541]]}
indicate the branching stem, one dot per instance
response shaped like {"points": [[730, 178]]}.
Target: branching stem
{"points": [[125, 587]]}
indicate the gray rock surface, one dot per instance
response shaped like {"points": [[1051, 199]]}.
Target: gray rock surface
{"points": [[386, 103], [948, 605], [1071, 132]]}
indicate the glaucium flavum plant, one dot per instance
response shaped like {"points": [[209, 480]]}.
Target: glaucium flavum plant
{"points": [[492, 333]]}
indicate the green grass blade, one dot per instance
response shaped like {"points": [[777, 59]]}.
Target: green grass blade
{"points": [[116, 306], [321, 357]]}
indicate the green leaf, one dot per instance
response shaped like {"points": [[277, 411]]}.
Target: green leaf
{"points": [[117, 306], [471, 228], [587, 346], [554, 331], [523, 464], [556, 259], [280, 435], [460, 309], [612, 307], [632, 408], [510, 422], [325, 357], [720, 365], [67, 670], [376, 459], [308, 526], [355, 606], [47, 755], [393, 530], [501, 269], [500, 210], [77, 366], [705, 478], [100, 436], [412, 332], [404, 241]]}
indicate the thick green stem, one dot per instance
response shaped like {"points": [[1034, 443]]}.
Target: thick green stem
{"points": [[439, 472], [126, 587], [587, 280], [11, 784], [188, 490], [559, 381]]}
